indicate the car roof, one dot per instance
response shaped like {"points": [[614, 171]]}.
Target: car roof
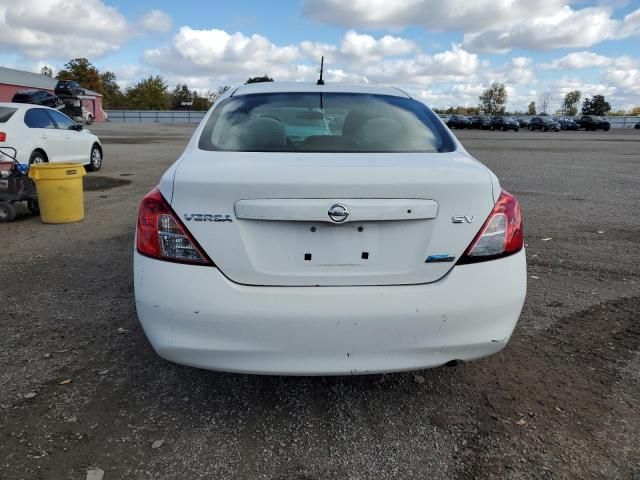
{"points": [[309, 87], [23, 106]]}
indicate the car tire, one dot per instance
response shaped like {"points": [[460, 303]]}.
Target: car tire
{"points": [[37, 157], [606, 129], [516, 129], [95, 159], [7, 212]]}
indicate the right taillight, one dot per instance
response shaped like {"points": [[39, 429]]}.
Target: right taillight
{"points": [[501, 234], [3, 137], [162, 235]]}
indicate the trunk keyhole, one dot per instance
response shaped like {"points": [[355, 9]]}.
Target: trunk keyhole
{"points": [[360, 229], [313, 229], [307, 257], [365, 255]]}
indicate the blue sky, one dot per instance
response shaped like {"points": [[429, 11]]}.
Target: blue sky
{"points": [[443, 52]]}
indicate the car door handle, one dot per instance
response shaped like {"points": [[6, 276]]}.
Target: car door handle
{"points": [[44, 137]]}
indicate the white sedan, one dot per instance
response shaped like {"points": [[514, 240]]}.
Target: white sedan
{"points": [[379, 245], [41, 134]]}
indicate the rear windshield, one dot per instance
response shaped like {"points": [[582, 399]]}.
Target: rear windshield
{"points": [[327, 122], [6, 113]]}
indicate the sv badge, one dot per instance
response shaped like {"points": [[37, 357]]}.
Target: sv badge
{"points": [[463, 218], [207, 217]]}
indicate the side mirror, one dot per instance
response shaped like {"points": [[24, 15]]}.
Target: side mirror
{"points": [[76, 127]]}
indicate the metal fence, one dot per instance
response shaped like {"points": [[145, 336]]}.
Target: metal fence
{"points": [[157, 116], [623, 122]]}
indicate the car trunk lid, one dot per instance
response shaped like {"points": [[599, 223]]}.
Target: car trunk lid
{"points": [[266, 218]]}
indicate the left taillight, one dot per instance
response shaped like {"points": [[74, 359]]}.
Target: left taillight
{"points": [[501, 235], [3, 137], [162, 235]]}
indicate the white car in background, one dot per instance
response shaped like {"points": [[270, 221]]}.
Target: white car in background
{"points": [[41, 134], [379, 245]]}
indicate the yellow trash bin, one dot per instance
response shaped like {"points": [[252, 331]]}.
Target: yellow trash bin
{"points": [[60, 194]]}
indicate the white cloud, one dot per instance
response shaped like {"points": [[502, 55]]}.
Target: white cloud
{"points": [[233, 57], [55, 29], [565, 28], [156, 21], [214, 51], [316, 50], [519, 71], [366, 48], [624, 74], [432, 14], [577, 60], [488, 25]]}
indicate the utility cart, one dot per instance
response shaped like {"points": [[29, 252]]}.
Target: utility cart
{"points": [[15, 185]]}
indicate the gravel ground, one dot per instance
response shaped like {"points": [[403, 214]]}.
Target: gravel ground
{"points": [[81, 388]]}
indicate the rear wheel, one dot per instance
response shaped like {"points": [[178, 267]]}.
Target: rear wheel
{"points": [[7, 212], [37, 157], [95, 160], [606, 129]]}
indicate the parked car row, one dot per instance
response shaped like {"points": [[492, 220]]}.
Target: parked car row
{"points": [[543, 123]]}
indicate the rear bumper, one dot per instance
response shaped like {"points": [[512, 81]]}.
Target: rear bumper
{"points": [[195, 316]]}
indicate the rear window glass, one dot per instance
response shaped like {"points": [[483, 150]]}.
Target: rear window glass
{"points": [[327, 122], [6, 113]]}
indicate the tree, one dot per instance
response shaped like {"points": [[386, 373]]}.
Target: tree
{"points": [[570, 103], [149, 94], [494, 98], [212, 96], [635, 111], [545, 99], [200, 103], [112, 95], [180, 95], [532, 108], [263, 78], [46, 71], [596, 105], [81, 70]]}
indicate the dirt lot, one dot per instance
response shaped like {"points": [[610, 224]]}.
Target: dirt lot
{"points": [[561, 401]]}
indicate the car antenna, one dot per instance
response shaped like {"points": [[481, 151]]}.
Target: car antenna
{"points": [[320, 80]]}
